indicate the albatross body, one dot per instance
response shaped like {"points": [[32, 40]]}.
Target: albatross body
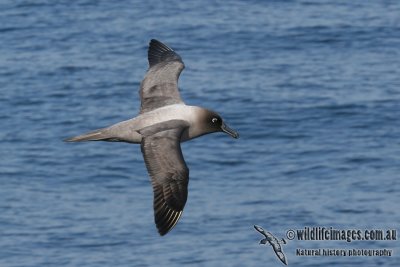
{"points": [[163, 123]]}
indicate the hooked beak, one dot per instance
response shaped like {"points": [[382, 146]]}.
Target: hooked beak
{"points": [[229, 131]]}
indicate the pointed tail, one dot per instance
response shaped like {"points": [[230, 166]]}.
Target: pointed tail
{"points": [[96, 135]]}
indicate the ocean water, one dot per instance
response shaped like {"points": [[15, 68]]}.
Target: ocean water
{"points": [[311, 86]]}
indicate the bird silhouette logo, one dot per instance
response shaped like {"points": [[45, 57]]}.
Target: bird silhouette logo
{"points": [[274, 242]]}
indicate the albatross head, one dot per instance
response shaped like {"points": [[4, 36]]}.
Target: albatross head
{"points": [[212, 122]]}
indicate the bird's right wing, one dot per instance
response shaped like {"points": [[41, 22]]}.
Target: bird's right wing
{"points": [[160, 85], [168, 171]]}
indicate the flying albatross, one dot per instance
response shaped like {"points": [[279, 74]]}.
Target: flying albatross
{"points": [[164, 121]]}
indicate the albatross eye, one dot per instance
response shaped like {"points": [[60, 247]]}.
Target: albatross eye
{"points": [[214, 120]]}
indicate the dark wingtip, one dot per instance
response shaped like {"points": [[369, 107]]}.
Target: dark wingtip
{"points": [[165, 224], [162, 232], [165, 217], [159, 52]]}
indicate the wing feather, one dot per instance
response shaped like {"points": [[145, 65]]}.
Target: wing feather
{"points": [[168, 171]]}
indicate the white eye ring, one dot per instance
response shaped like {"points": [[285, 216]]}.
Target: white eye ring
{"points": [[214, 120]]}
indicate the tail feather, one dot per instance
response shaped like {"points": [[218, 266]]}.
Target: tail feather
{"points": [[96, 135]]}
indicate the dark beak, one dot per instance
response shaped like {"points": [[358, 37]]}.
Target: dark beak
{"points": [[229, 131]]}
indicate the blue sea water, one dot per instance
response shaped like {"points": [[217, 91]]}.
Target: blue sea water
{"points": [[311, 86]]}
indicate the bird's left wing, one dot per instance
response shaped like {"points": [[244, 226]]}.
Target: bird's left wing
{"points": [[168, 171]]}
